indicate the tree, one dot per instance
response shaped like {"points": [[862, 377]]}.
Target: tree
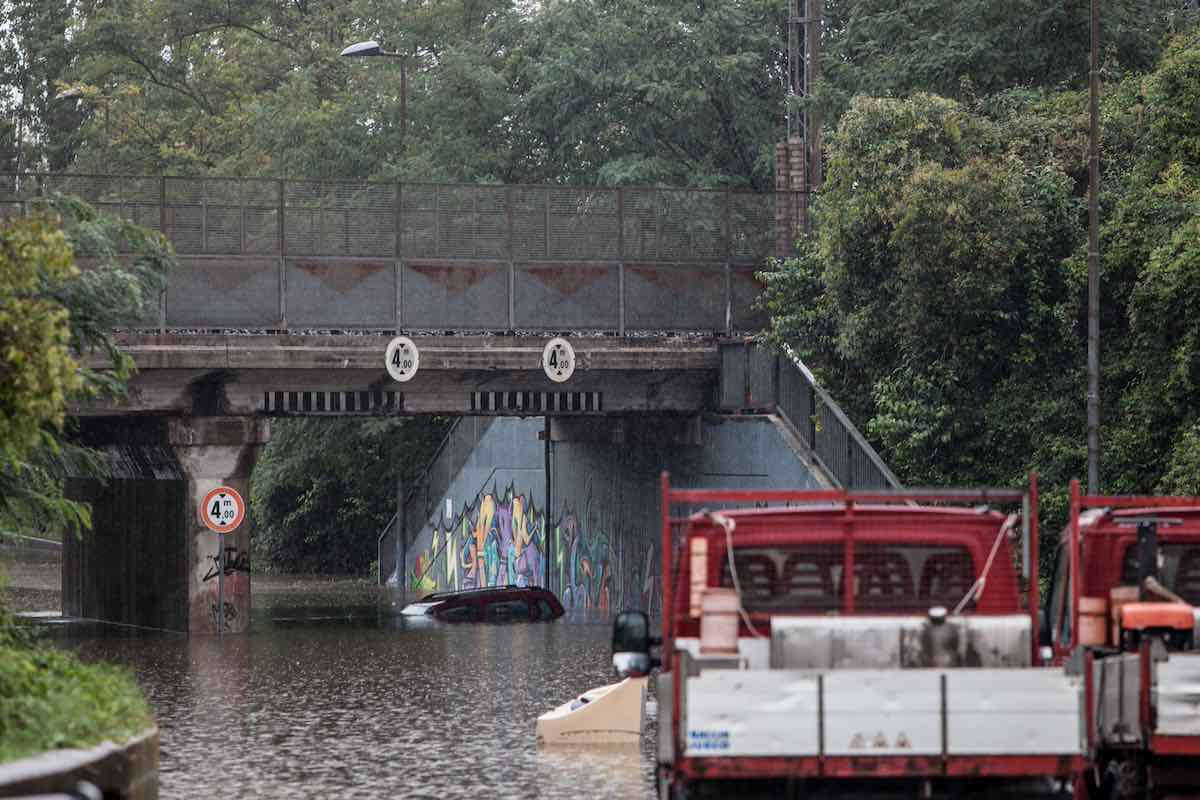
{"points": [[324, 489], [931, 295], [958, 48], [53, 316]]}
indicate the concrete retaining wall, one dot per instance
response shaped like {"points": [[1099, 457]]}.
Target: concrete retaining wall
{"points": [[604, 519], [128, 771]]}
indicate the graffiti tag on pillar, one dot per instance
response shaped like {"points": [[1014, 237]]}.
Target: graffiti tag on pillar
{"points": [[223, 618], [222, 510], [234, 561]]}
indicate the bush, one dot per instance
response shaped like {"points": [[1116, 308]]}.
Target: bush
{"points": [[51, 700]]}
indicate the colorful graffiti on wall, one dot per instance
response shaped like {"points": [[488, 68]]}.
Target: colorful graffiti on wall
{"points": [[498, 540], [600, 560]]}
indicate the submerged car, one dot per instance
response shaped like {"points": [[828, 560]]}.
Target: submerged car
{"points": [[488, 604]]}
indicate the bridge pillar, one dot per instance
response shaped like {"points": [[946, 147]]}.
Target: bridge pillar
{"points": [[148, 560], [217, 451]]}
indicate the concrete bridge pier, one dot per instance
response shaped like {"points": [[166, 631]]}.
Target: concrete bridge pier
{"points": [[214, 452], [149, 560]]}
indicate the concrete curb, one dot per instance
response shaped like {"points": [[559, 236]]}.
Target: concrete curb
{"points": [[128, 771]]}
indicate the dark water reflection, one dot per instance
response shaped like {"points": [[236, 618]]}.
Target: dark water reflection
{"points": [[350, 702]]}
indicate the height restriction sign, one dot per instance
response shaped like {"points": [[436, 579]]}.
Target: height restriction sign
{"points": [[222, 509]]}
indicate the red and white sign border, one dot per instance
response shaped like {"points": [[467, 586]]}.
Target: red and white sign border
{"points": [[238, 502]]}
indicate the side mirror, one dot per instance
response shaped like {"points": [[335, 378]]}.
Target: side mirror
{"points": [[631, 645]]}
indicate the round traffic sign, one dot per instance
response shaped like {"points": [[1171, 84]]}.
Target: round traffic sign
{"points": [[402, 359], [222, 509], [558, 359]]}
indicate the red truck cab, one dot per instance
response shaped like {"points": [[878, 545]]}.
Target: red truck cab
{"points": [[850, 637], [1123, 613]]}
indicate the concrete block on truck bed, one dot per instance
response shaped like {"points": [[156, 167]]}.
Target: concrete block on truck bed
{"points": [[900, 642], [750, 713], [883, 712], [838, 642], [1013, 712], [1177, 695]]}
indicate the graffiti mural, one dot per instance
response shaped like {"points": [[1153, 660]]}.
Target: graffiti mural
{"points": [[601, 559], [604, 560], [498, 540]]}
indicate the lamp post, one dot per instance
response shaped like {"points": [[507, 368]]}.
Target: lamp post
{"points": [[1093, 333], [371, 48]]}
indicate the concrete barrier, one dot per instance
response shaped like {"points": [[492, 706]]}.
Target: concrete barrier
{"points": [[128, 771]]}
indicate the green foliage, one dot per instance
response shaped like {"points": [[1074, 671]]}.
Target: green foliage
{"points": [[37, 370], [325, 488], [56, 327], [963, 48], [50, 700], [943, 295]]}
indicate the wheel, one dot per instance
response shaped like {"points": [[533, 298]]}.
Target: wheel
{"points": [[668, 790]]}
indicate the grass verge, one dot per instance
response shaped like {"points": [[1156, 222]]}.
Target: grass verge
{"points": [[51, 700]]}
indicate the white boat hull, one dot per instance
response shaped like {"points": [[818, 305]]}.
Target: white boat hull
{"points": [[610, 714]]}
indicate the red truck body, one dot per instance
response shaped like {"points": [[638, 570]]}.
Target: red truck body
{"points": [[835, 558], [1142, 682]]}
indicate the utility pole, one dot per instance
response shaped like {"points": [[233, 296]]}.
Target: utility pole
{"points": [[1093, 334]]}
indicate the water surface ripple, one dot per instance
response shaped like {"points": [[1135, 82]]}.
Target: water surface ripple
{"points": [[369, 705]]}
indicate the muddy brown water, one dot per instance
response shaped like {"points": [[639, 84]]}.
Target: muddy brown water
{"points": [[330, 695]]}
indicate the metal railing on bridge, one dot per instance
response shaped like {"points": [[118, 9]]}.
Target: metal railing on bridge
{"points": [[275, 254]]}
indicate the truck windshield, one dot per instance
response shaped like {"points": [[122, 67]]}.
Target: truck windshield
{"points": [[900, 577], [1180, 570]]}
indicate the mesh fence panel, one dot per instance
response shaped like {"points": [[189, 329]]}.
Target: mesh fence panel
{"points": [[229, 216]]}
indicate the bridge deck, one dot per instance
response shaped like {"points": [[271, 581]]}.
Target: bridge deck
{"points": [[327, 374]]}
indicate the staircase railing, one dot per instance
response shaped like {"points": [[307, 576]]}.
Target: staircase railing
{"points": [[754, 377], [452, 453]]}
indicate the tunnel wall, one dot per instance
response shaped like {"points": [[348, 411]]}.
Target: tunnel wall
{"points": [[604, 518], [494, 533]]}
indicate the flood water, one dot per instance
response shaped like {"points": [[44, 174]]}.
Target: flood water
{"points": [[351, 701]]}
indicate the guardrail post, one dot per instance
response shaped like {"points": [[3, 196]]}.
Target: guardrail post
{"points": [[162, 228], [508, 252], [398, 250], [282, 282], [728, 300], [812, 417]]}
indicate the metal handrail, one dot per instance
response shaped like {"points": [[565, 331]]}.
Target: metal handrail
{"points": [[840, 415]]}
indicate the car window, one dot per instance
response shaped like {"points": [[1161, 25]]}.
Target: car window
{"points": [[544, 609], [501, 610], [463, 613]]}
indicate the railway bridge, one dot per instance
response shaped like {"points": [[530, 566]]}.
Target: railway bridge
{"points": [[286, 296]]}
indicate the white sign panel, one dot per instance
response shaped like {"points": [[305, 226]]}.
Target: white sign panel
{"points": [[402, 359], [558, 360]]}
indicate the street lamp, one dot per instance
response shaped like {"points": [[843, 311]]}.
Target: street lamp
{"points": [[371, 48]]}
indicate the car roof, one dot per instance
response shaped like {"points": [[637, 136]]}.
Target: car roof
{"points": [[479, 592]]}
